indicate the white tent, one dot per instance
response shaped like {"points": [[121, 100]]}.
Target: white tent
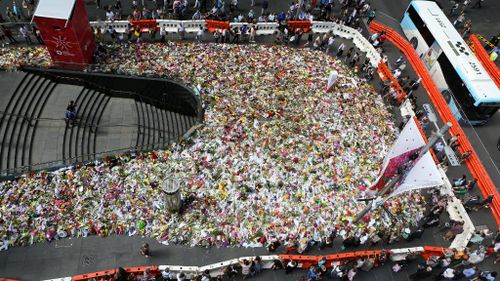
{"points": [[423, 174]]}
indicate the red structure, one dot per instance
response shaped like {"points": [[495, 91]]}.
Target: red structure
{"points": [[66, 30]]}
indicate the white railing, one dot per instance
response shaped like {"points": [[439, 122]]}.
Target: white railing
{"points": [[262, 28], [457, 212]]}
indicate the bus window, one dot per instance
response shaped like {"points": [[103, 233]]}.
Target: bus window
{"points": [[455, 83], [421, 27]]}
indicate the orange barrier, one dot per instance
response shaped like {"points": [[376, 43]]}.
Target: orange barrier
{"points": [[307, 261], [302, 261], [140, 269], [350, 256], [213, 25], [386, 75], [432, 251], [483, 57], [305, 25], [101, 274], [473, 163], [144, 25]]}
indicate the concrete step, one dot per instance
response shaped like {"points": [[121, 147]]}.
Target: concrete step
{"points": [[32, 133], [10, 82], [35, 104], [166, 128], [118, 126], [78, 130], [142, 130], [59, 100], [67, 151], [163, 128], [89, 126], [16, 121]]}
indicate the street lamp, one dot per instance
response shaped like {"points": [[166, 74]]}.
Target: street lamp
{"points": [[172, 188]]}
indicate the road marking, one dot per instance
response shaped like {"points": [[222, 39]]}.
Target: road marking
{"points": [[388, 16], [57, 245]]}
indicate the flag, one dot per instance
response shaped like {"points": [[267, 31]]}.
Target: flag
{"points": [[334, 75]]}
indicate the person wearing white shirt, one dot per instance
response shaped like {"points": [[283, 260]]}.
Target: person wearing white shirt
{"points": [[110, 15], [199, 34], [181, 30], [163, 34], [397, 73], [449, 274], [167, 274], [439, 147]]}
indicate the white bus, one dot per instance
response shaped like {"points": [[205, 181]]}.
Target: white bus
{"points": [[459, 75]]}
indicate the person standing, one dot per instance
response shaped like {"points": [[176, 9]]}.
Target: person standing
{"points": [[199, 34], [265, 5], [454, 7], [217, 35], [371, 16], [245, 267], [449, 274], [349, 54], [340, 50], [16, 10], [145, 250], [11, 15], [70, 113], [181, 30], [331, 42], [470, 272], [163, 34], [253, 33], [487, 276], [494, 54], [36, 32], [351, 273], [460, 19], [494, 41], [25, 33]]}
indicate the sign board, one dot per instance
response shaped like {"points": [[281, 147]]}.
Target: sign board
{"points": [[452, 158], [429, 112]]}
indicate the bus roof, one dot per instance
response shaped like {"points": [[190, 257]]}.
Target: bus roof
{"points": [[468, 67]]}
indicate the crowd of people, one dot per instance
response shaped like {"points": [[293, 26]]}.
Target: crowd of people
{"points": [[451, 264], [278, 158]]}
